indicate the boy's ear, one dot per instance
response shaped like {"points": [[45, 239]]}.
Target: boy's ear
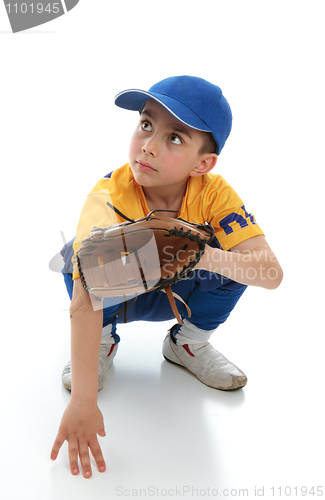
{"points": [[207, 163]]}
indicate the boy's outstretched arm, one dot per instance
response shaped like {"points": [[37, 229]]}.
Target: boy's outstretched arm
{"points": [[82, 419], [251, 262]]}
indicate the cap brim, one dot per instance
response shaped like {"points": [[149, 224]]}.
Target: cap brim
{"points": [[134, 100]]}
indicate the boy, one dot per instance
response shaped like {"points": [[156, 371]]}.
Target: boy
{"points": [[184, 124]]}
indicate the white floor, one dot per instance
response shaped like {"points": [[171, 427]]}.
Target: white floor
{"points": [[168, 434]]}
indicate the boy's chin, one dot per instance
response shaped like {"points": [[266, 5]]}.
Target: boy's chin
{"points": [[144, 180]]}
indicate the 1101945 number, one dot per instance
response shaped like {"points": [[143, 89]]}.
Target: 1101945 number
{"points": [[37, 8]]}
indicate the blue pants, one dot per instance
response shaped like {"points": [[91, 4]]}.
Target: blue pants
{"points": [[210, 297]]}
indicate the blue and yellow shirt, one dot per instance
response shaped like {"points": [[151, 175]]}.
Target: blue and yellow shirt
{"points": [[208, 198]]}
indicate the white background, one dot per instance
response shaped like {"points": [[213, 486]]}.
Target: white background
{"points": [[60, 133]]}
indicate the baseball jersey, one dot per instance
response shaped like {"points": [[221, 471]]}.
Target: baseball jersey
{"points": [[208, 198]]}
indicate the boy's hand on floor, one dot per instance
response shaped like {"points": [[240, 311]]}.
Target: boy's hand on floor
{"points": [[79, 426]]}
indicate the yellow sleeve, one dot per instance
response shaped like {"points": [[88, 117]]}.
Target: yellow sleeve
{"points": [[211, 199], [232, 223]]}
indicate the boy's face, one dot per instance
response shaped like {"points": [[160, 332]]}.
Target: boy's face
{"points": [[163, 151]]}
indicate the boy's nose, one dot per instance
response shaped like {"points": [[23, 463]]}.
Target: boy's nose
{"points": [[150, 147]]}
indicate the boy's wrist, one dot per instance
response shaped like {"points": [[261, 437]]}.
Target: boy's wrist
{"points": [[84, 399], [85, 390]]}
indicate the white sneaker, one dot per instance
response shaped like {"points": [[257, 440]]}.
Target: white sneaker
{"points": [[106, 356], [207, 364]]}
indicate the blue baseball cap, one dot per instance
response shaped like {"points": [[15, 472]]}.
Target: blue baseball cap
{"points": [[194, 101]]}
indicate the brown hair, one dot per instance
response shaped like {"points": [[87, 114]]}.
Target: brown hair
{"points": [[209, 145]]}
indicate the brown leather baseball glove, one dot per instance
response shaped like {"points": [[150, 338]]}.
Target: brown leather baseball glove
{"points": [[137, 256]]}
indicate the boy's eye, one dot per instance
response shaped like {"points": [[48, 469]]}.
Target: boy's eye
{"points": [[176, 139], [145, 125]]}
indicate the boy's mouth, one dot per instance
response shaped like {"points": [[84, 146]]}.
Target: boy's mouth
{"points": [[145, 166]]}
